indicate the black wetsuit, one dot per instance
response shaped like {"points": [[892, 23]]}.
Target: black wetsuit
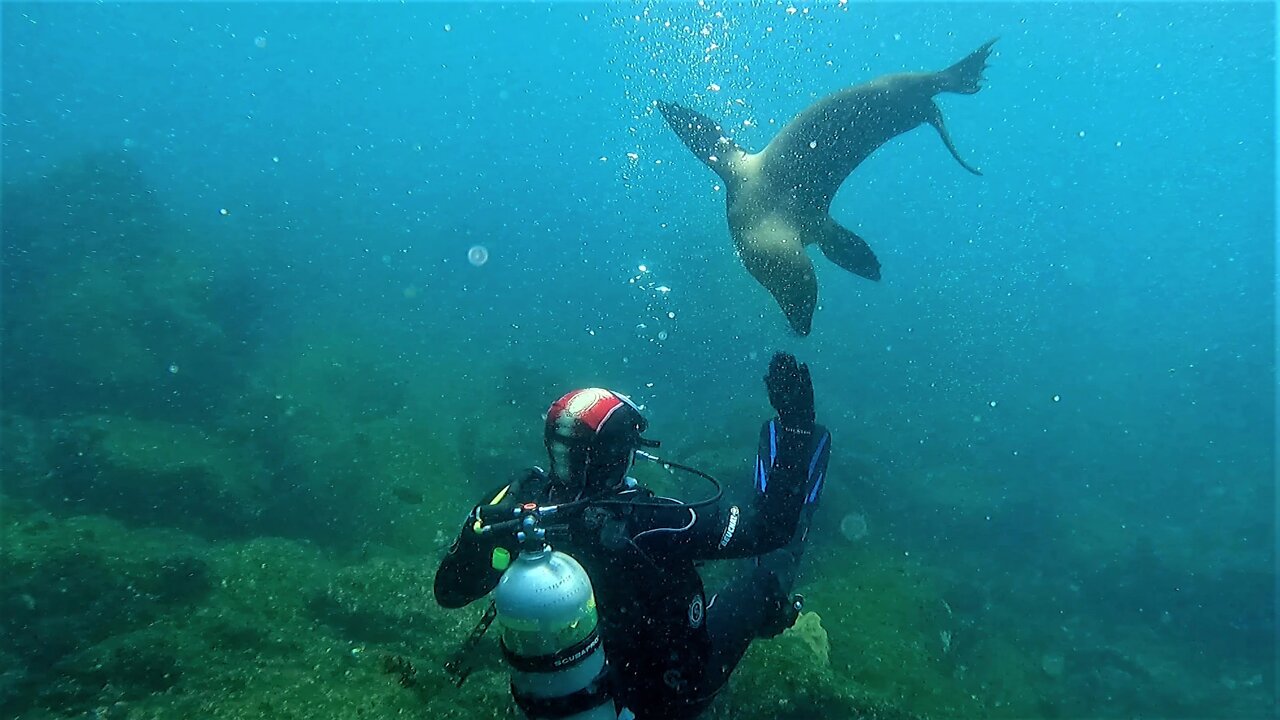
{"points": [[670, 649]]}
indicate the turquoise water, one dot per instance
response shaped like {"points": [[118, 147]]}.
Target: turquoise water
{"points": [[1059, 399]]}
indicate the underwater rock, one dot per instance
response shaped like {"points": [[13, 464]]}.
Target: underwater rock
{"points": [[808, 629], [126, 667], [383, 601], [407, 495], [150, 473], [21, 454], [515, 444], [13, 674], [115, 306], [791, 678], [499, 430], [72, 590], [345, 452], [531, 389]]}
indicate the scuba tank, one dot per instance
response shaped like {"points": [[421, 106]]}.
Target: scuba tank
{"points": [[547, 611]]}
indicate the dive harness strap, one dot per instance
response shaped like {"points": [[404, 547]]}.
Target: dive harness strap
{"points": [[554, 661], [595, 694], [459, 666]]}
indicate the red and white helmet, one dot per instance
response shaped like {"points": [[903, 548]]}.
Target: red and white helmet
{"points": [[591, 437]]}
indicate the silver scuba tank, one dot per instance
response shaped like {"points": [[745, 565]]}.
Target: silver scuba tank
{"points": [[547, 611]]}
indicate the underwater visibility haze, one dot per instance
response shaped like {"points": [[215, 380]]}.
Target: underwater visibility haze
{"points": [[286, 286]]}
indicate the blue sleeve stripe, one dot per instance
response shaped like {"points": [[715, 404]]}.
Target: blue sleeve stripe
{"points": [[817, 454], [817, 488], [773, 443], [762, 480]]}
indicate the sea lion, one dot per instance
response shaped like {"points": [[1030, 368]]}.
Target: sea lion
{"points": [[779, 198]]}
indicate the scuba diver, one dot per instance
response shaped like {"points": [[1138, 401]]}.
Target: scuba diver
{"points": [[668, 647]]}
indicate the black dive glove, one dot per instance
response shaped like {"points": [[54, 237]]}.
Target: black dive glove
{"points": [[499, 509], [791, 392]]}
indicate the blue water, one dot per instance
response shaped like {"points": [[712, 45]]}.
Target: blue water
{"points": [[1089, 326]]}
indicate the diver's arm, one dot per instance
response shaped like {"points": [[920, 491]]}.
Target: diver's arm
{"points": [[466, 572], [791, 465], [791, 468]]}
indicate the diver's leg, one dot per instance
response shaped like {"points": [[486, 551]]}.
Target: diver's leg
{"points": [[756, 603]]}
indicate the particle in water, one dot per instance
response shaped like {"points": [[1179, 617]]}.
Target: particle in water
{"points": [[224, 211], [173, 368], [1057, 398], [260, 42], [671, 315], [853, 527], [662, 335], [478, 255], [1053, 664]]}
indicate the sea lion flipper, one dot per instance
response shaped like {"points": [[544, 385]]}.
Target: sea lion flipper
{"points": [[935, 119], [775, 257], [965, 77], [703, 136], [846, 249]]}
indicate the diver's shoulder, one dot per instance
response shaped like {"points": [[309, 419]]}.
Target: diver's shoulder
{"points": [[522, 486]]}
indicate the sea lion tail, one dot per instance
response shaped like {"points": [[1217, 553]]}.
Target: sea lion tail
{"points": [[704, 137], [935, 119], [965, 77], [846, 249]]}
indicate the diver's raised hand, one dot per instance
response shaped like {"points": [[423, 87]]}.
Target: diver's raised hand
{"points": [[790, 392]]}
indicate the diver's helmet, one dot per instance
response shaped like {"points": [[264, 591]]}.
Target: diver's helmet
{"points": [[591, 437]]}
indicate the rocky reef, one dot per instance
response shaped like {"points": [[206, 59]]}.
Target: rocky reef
{"points": [[202, 519], [110, 304]]}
